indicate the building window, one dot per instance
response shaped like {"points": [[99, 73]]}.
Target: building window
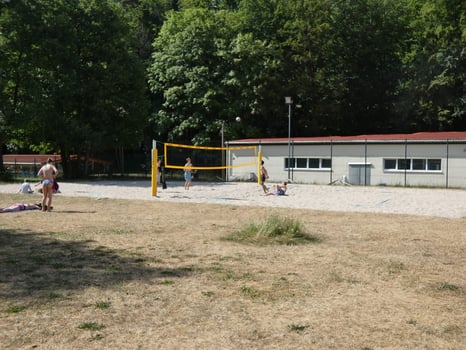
{"points": [[314, 163], [414, 164], [301, 163], [404, 164], [326, 163], [389, 164], [289, 163], [434, 164], [309, 163], [419, 164]]}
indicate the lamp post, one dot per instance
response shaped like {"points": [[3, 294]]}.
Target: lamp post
{"points": [[222, 133], [289, 102]]}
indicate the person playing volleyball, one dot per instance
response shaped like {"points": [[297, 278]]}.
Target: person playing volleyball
{"points": [[264, 176], [188, 176]]}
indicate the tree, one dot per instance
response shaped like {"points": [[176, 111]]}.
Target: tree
{"points": [[210, 4], [308, 58], [371, 37], [438, 65], [71, 78], [206, 72]]}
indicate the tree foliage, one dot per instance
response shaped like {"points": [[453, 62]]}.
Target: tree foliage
{"points": [[438, 65], [70, 76], [206, 73], [73, 73]]}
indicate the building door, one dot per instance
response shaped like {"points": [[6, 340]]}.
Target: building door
{"points": [[359, 174]]}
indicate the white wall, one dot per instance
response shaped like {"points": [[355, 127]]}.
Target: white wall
{"points": [[342, 154]]}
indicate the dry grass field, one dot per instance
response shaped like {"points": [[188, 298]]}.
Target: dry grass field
{"points": [[122, 274]]}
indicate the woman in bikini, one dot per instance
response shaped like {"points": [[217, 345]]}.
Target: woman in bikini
{"points": [[48, 173], [19, 207]]}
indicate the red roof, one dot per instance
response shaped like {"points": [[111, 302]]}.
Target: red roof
{"points": [[420, 136], [30, 158]]}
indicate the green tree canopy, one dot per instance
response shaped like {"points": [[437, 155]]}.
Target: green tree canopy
{"points": [[71, 77], [206, 73], [74, 73], [438, 65]]}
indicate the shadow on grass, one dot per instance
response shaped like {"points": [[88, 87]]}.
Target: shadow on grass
{"points": [[75, 211], [33, 264]]}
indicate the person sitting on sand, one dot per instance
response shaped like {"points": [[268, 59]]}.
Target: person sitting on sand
{"points": [[19, 207], [278, 190], [25, 187]]}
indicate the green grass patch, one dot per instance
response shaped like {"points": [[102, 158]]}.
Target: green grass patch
{"points": [[298, 327], [91, 326], [395, 267], [102, 305], [15, 309], [250, 292], [54, 295], [274, 230], [227, 274], [448, 286]]}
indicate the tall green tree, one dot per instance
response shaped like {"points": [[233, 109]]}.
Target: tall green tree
{"points": [[206, 72], [438, 66], [371, 38], [71, 77], [306, 40]]}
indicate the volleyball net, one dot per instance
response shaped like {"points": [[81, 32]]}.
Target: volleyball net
{"points": [[207, 158], [204, 158]]}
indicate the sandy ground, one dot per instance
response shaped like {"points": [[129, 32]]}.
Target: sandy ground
{"points": [[449, 203]]}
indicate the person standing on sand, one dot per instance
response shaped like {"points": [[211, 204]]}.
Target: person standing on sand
{"points": [[159, 171], [48, 173], [264, 176], [188, 176]]}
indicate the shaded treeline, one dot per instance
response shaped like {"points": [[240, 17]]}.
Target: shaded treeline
{"points": [[82, 76]]}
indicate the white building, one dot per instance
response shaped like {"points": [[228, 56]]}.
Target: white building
{"points": [[427, 159]]}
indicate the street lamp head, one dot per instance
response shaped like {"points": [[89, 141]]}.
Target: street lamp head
{"points": [[288, 100]]}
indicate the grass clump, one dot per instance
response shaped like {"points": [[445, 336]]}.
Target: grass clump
{"points": [[54, 295], [297, 327], [16, 309], [274, 230], [92, 326], [448, 286], [102, 305]]}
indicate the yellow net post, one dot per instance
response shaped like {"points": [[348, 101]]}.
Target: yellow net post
{"points": [[259, 161], [154, 172]]}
